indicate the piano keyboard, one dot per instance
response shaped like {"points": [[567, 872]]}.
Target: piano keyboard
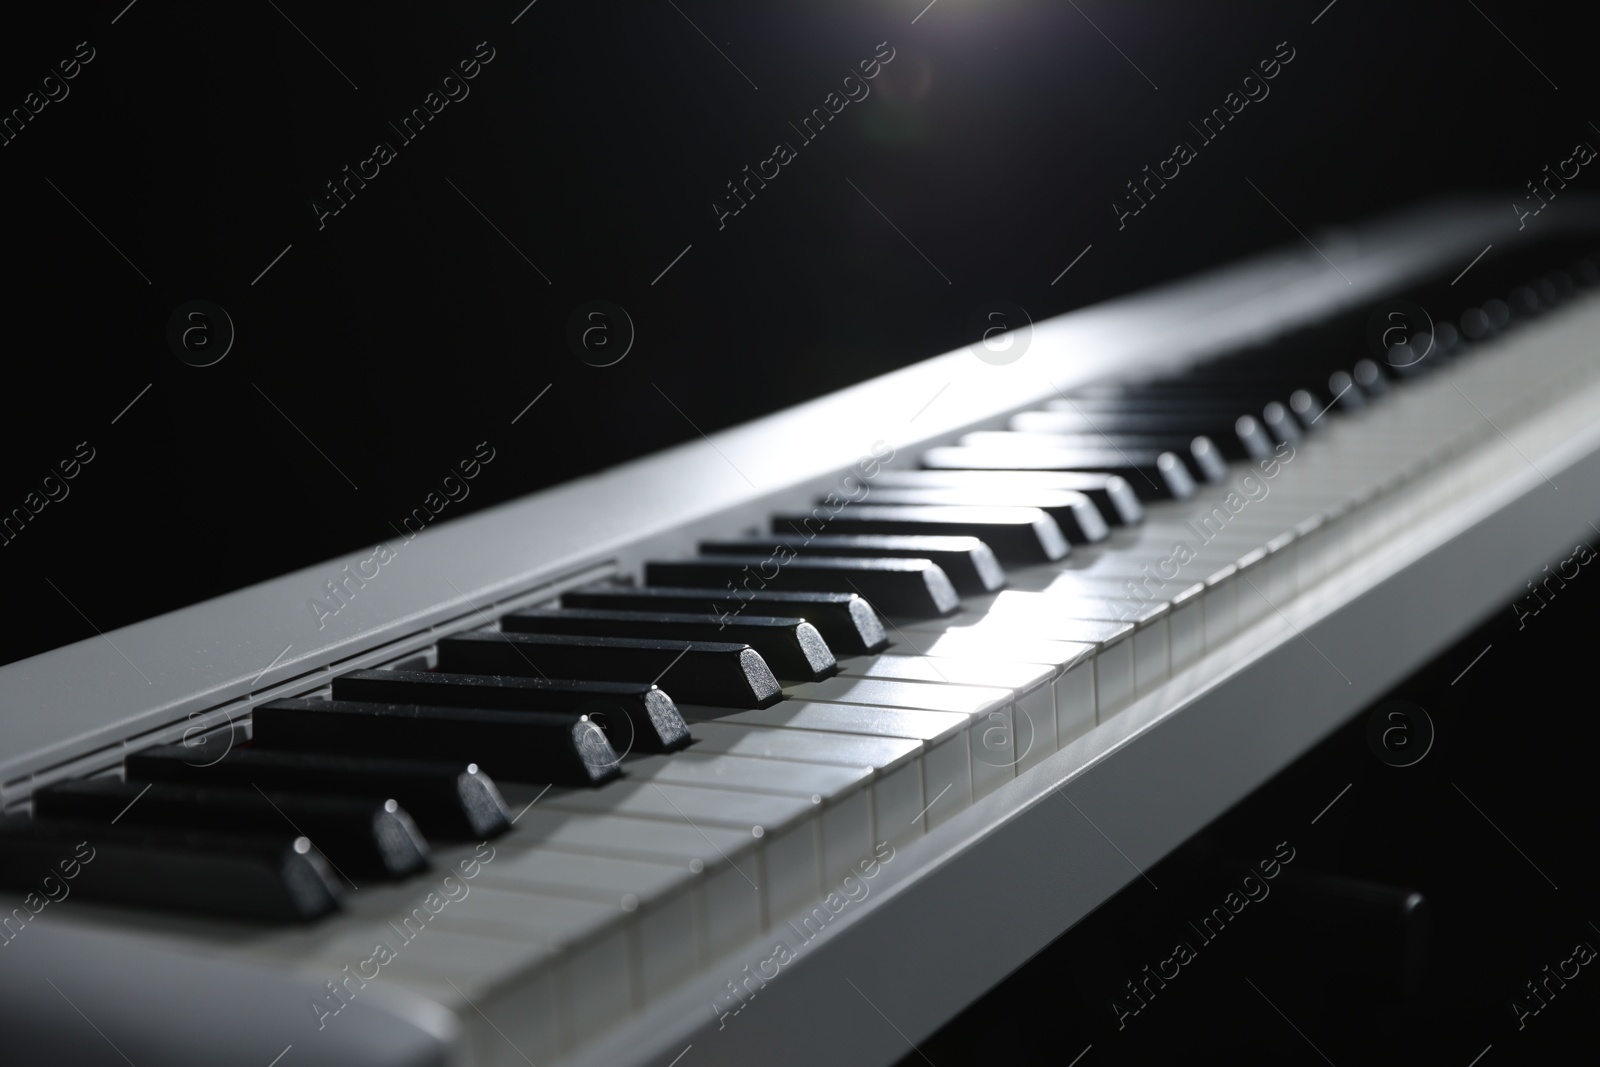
{"points": [[592, 811]]}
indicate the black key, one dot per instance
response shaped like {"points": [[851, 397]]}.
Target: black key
{"points": [[1253, 436], [1279, 422], [1074, 512], [562, 748], [845, 620], [1307, 409], [1406, 360], [1370, 379], [908, 588], [1445, 340], [1118, 504], [969, 562], [1153, 475], [790, 645], [449, 801], [279, 877], [1207, 459], [1524, 301], [1345, 392], [723, 674], [1017, 535], [636, 716], [370, 838]]}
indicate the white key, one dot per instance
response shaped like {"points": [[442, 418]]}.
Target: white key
{"points": [[896, 788], [1147, 605], [946, 759], [1280, 569], [1083, 605], [521, 988], [1041, 614], [678, 803], [1310, 537], [786, 826], [989, 710], [1250, 578], [659, 898], [1032, 688], [1111, 643], [1074, 664], [1058, 583], [841, 793], [734, 739], [1186, 627], [731, 900], [537, 1002], [1221, 607], [564, 962]]}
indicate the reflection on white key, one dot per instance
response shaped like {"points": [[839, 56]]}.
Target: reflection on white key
{"points": [[946, 759], [659, 897], [583, 990], [1078, 585], [675, 803], [1250, 581], [1042, 615], [990, 711], [896, 789], [1221, 609], [497, 951], [730, 898], [787, 826], [1071, 605], [1032, 688], [1310, 537], [1074, 664], [1186, 626], [550, 959], [1112, 644], [841, 792]]}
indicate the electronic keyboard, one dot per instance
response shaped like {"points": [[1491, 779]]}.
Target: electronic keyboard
{"points": [[790, 742]]}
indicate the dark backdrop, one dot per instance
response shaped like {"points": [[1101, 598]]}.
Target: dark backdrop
{"points": [[423, 317]]}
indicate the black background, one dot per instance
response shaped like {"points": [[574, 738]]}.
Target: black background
{"points": [[408, 330]]}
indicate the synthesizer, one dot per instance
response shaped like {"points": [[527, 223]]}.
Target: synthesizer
{"points": [[841, 714]]}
